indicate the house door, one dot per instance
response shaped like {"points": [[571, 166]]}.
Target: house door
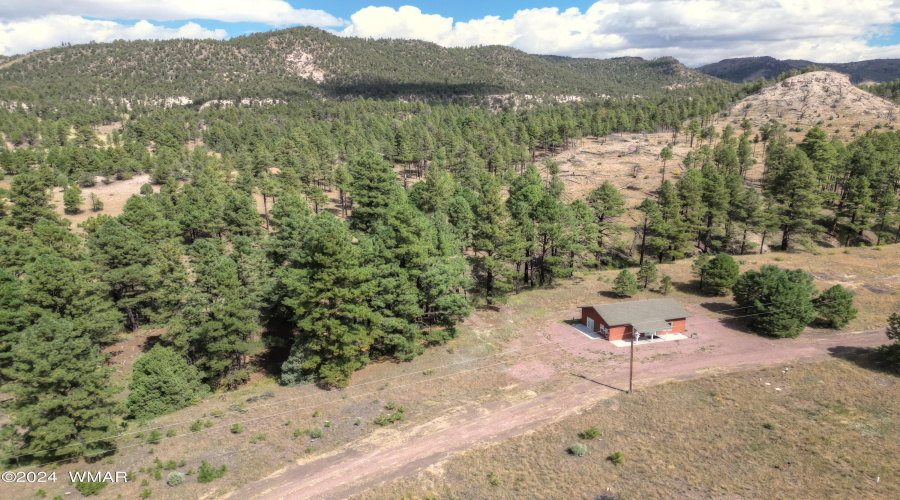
{"points": [[590, 324]]}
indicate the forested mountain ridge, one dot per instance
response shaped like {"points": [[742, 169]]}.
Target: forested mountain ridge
{"points": [[306, 62], [748, 69]]}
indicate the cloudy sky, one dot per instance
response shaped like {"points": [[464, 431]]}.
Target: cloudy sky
{"points": [[694, 31]]}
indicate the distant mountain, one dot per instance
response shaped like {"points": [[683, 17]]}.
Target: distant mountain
{"points": [[748, 69], [302, 63]]}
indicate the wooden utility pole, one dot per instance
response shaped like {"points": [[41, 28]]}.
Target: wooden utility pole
{"points": [[631, 371]]}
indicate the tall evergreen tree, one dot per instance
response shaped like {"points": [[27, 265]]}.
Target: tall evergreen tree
{"points": [[328, 292], [63, 398], [374, 188]]}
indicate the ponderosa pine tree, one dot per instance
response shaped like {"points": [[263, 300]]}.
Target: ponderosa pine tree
{"points": [[62, 395], [795, 188], [647, 275], [30, 199], [608, 204], [778, 302], [143, 216], [12, 317], [719, 275], [216, 327], [162, 382], [167, 282], [328, 291], [374, 188], [240, 215], [60, 288], [491, 244], [122, 257], [835, 306], [625, 284], [290, 217]]}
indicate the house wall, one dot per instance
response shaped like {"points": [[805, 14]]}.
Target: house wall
{"points": [[620, 332], [678, 325], [589, 312]]}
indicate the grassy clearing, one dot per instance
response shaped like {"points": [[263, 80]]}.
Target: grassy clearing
{"points": [[520, 322], [830, 432]]}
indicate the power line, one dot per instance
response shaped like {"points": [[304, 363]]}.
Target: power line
{"points": [[429, 379]]}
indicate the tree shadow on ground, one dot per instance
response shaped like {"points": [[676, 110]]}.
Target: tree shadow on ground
{"points": [[871, 358], [609, 294], [723, 308], [690, 288]]}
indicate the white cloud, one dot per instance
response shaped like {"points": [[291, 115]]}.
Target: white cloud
{"points": [[271, 12], [694, 31], [17, 37]]}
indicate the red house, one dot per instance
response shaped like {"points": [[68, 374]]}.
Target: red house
{"points": [[620, 320]]}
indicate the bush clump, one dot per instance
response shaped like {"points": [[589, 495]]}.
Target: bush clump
{"points": [[578, 449], [208, 473], [617, 458], [88, 488], [591, 433], [175, 478]]}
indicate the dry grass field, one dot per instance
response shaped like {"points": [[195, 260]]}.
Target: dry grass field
{"points": [[471, 379], [829, 432]]}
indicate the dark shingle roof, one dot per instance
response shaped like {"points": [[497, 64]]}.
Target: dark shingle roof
{"points": [[640, 313]]}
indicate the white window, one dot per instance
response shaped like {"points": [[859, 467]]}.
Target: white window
{"points": [[590, 324]]}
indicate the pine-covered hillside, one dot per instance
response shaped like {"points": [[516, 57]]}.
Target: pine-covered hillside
{"points": [[749, 69], [306, 62]]}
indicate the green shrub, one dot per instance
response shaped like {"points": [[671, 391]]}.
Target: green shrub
{"points": [[316, 433], [578, 449], [162, 382], [155, 436], [208, 474], [170, 433], [146, 189], [146, 494], [719, 274], [237, 429], [170, 465], [315, 413], [88, 488], [591, 433], [175, 478], [196, 426], [617, 458], [835, 306], [769, 425]]}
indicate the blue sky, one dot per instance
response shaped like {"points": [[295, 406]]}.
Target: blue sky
{"points": [[694, 31]]}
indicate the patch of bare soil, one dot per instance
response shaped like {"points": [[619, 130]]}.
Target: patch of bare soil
{"points": [[113, 195], [532, 371]]}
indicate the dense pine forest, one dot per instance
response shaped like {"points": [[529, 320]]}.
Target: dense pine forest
{"points": [[273, 65], [317, 290]]}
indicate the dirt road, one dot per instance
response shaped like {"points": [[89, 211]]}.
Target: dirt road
{"points": [[364, 464]]}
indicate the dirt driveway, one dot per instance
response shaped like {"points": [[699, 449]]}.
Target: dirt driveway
{"points": [[599, 370]]}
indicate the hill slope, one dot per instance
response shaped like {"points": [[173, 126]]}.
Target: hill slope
{"points": [[811, 98], [748, 69], [306, 62]]}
